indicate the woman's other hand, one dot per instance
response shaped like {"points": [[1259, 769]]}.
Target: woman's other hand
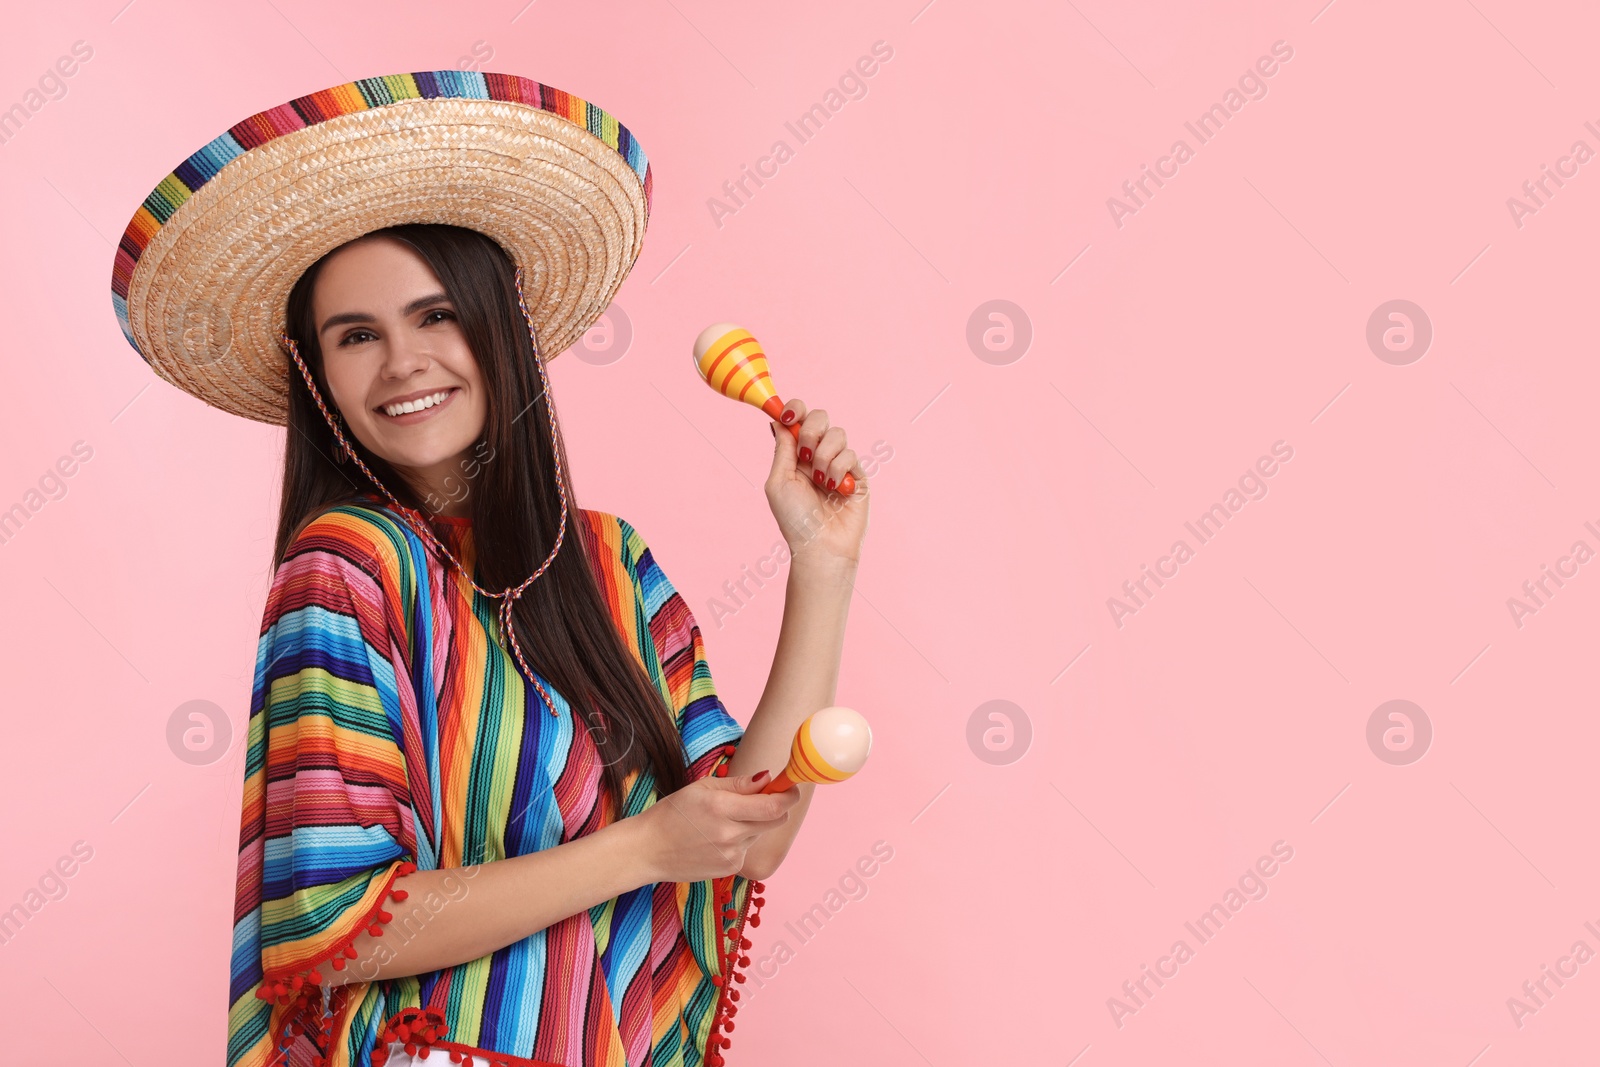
{"points": [[704, 829], [814, 517]]}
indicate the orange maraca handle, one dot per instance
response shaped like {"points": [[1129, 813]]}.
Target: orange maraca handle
{"points": [[778, 783], [774, 407]]}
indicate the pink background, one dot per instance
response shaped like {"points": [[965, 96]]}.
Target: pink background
{"points": [[1166, 755]]}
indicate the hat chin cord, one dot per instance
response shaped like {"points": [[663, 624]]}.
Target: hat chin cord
{"points": [[414, 518]]}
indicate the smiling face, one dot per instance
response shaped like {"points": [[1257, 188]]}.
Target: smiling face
{"points": [[397, 363]]}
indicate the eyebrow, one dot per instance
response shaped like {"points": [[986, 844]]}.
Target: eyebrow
{"points": [[361, 316]]}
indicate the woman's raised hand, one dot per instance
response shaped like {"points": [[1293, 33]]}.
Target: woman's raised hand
{"points": [[801, 487], [704, 829]]}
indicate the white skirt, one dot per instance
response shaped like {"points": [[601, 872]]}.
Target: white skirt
{"points": [[438, 1057], [399, 1057]]}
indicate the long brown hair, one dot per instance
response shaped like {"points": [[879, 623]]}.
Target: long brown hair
{"points": [[563, 626]]}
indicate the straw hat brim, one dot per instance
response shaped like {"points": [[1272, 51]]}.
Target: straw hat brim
{"points": [[207, 295]]}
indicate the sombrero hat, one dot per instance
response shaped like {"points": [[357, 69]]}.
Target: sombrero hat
{"points": [[204, 270]]}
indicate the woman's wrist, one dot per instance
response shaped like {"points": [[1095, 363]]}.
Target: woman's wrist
{"points": [[822, 564], [635, 850]]}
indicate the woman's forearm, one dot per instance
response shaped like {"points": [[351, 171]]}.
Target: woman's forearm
{"points": [[458, 914], [803, 681]]}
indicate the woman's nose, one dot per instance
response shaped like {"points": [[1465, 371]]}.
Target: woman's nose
{"points": [[404, 354]]}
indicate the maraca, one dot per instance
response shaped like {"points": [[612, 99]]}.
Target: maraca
{"points": [[829, 747], [731, 361]]}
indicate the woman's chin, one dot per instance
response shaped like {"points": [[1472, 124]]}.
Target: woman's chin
{"points": [[416, 455]]}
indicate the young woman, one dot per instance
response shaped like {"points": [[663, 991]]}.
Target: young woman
{"points": [[493, 805]]}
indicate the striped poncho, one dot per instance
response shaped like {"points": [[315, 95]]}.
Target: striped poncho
{"points": [[389, 731]]}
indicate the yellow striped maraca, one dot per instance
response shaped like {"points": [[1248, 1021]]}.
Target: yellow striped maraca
{"points": [[829, 747], [731, 361]]}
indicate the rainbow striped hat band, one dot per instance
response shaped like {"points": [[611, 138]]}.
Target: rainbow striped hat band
{"points": [[203, 272]]}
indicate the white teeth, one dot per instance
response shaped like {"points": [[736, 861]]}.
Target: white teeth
{"points": [[416, 405]]}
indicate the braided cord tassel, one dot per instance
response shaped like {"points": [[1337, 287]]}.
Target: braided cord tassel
{"points": [[414, 518]]}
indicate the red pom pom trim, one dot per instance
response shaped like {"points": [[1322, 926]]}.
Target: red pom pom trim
{"points": [[309, 1014], [730, 954], [421, 1030]]}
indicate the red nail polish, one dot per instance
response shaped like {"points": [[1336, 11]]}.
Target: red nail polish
{"points": [[830, 483], [817, 477], [758, 777], [805, 455], [788, 417]]}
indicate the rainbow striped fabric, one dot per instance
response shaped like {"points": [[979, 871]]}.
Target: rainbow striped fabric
{"points": [[354, 96], [389, 728]]}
